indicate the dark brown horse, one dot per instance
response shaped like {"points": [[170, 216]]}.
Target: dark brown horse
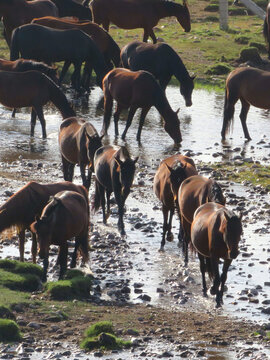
{"points": [[168, 178], [215, 234], [252, 87], [193, 192], [18, 12], [161, 61], [266, 29], [32, 89], [73, 8], [133, 90], [78, 142], [22, 207], [114, 170], [41, 43], [133, 14], [105, 43], [65, 216]]}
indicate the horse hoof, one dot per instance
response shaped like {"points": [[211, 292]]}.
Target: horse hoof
{"points": [[169, 237], [161, 249], [218, 305], [205, 294], [213, 291]]}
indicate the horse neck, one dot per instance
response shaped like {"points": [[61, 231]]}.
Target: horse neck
{"points": [[58, 98], [178, 68], [10, 212], [165, 8], [162, 104], [97, 60]]}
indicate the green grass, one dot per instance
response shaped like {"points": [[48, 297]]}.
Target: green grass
{"points": [[98, 328], [9, 331], [20, 282], [21, 267], [76, 287]]}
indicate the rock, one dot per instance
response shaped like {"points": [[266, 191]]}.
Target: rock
{"points": [[266, 311], [34, 325], [145, 297]]}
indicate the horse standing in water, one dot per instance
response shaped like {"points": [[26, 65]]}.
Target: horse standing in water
{"points": [[193, 192], [161, 61], [32, 88], [266, 29], [22, 207], [19, 12], [252, 87], [78, 141], [41, 43], [73, 8], [168, 178], [64, 217], [114, 170], [133, 14], [215, 234], [133, 90]]}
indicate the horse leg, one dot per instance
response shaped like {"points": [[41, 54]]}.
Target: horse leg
{"points": [[102, 201], [89, 176], [34, 248], [203, 269], [214, 290], [145, 35], [108, 195], [71, 171], [116, 116], [63, 259], [45, 269], [21, 244], [64, 71], [13, 113], [86, 77], [243, 117], [33, 121], [153, 36], [65, 167], [131, 113], [74, 255], [40, 115], [169, 229], [165, 225], [223, 278], [108, 104], [142, 118], [76, 76], [186, 238], [120, 203], [84, 180]]}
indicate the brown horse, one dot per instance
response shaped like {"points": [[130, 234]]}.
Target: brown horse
{"points": [[105, 43], [193, 192], [133, 90], [215, 234], [66, 215], [32, 89], [266, 28], [168, 178], [18, 12], [22, 207], [78, 142], [252, 87], [114, 170], [133, 14], [73, 8]]}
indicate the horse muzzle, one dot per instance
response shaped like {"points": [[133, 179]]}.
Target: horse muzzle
{"points": [[233, 254], [188, 103]]}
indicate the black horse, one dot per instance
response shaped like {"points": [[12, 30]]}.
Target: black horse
{"points": [[161, 61], [73, 8], [40, 43], [114, 171]]}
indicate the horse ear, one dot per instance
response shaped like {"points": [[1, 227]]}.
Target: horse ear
{"points": [[136, 159], [168, 167], [177, 111]]}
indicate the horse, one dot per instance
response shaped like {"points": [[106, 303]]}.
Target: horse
{"points": [[193, 192], [215, 234], [73, 8], [22, 207], [15, 13], [114, 170], [266, 29], [78, 141], [161, 61], [133, 90], [171, 173], [251, 86], [133, 14], [32, 88], [41, 43], [65, 216], [107, 46]]}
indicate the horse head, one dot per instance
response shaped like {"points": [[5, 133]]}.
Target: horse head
{"points": [[177, 176], [126, 170], [93, 143], [183, 17], [231, 227], [216, 194], [186, 88], [42, 230], [172, 127]]}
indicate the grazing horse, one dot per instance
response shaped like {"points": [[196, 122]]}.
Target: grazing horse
{"points": [[32, 88], [252, 87], [161, 61], [114, 170], [108, 47], [133, 90], [133, 14], [193, 192], [215, 234], [266, 29], [19, 12], [73, 8], [22, 207], [171, 173], [65, 216], [41, 43], [78, 142]]}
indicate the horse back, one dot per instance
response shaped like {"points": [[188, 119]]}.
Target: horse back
{"points": [[103, 161], [69, 138]]}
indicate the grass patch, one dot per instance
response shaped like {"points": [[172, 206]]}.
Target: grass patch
{"points": [[72, 273], [250, 54], [242, 39], [261, 47], [98, 328], [21, 267], [211, 8], [218, 69], [9, 331], [5, 313], [76, 287], [20, 282]]}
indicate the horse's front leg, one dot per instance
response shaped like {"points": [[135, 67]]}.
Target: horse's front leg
{"points": [[84, 179], [116, 116], [203, 269], [74, 255], [45, 269], [106, 24], [87, 72], [243, 117], [21, 244], [214, 290], [142, 118], [165, 225], [223, 278], [63, 259], [89, 177], [33, 121], [76, 76], [64, 71], [145, 35], [131, 114], [169, 232], [40, 115], [34, 248], [120, 200], [153, 36], [108, 195]]}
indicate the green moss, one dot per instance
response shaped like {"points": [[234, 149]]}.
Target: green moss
{"points": [[242, 39], [104, 341], [211, 8], [77, 287], [211, 19], [250, 54], [5, 313], [9, 331], [98, 328], [71, 273], [218, 69], [24, 282], [237, 11], [21, 267], [261, 47]]}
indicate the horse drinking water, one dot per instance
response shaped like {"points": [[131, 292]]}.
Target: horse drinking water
{"points": [[215, 234]]}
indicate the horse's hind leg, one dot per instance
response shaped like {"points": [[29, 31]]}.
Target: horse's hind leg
{"points": [[40, 115], [169, 232], [153, 36], [34, 248], [214, 290], [63, 259], [145, 35], [64, 71], [131, 114], [74, 255], [142, 118], [21, 244], [76, 76], [243, 117], [13, 112], [223, 278], [165, 227], [116, 116], [33, 121], [203, 269], [108, 195]]}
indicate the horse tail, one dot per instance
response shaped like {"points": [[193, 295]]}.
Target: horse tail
{"points": [[227, 115], [209, 268], [114, 52], [14, 45], [97, 198], [84, 246]]}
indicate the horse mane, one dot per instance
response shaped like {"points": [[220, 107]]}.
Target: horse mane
{"points": [[27, 65], [52, 204], [122, 153], [216, 193], [90, 130]]}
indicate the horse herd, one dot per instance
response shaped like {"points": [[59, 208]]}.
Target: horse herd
{"points": [[35, 32]]}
